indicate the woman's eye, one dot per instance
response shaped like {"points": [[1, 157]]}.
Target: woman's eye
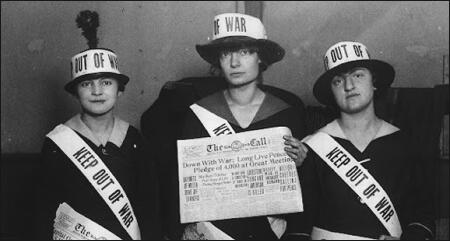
{"points": [[224, 54], [336, 82], [85, 84], [107, 82]]}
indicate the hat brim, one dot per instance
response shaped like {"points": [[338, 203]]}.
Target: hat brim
{"points": [[269, 51], [384, 72], [70, 87]]}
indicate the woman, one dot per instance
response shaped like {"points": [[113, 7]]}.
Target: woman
{"points": [[369, 186], [91, 165], [241, 50]]}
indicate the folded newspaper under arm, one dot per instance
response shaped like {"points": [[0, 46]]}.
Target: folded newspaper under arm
{"points": [[69, 224], [234, 176]]}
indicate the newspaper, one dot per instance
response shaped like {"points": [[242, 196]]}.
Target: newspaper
{"points": [[234, 176], [70, 225]]}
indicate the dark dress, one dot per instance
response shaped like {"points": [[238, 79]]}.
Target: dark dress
{"points": [[332, 205], [127, 156], [272, 113]]}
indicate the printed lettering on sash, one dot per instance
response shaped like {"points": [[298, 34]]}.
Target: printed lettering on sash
{"points": [[98, 174], [357, 178]]}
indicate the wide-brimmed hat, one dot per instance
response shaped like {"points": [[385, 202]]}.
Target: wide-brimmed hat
{"points": [[94, 63], [234, 30], [344, 56]]}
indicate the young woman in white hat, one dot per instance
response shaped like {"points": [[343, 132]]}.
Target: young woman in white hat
{"points": [[360, 179], [96, 169], [241, 51]]}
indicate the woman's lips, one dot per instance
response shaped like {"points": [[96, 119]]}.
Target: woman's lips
{"points": [[236, 74], [351, 96]]}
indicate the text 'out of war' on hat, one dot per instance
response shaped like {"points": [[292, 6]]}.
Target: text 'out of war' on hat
{"points": [[235, 30], [344, 56], [93, 62]]}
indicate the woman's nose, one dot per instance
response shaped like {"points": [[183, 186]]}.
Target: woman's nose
{"points": [[348, 83], [235, 60], [97, 88]]}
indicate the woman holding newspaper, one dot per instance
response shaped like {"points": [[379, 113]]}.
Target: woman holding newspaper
{"points": [[360, 179], [241, 50], [90, 173]]}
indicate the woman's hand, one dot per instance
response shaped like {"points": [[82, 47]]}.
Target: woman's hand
{"points": [[295, 149]]}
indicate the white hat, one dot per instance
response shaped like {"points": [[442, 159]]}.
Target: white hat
{"points": [[94, 63], [344, 56], [234, 29]]}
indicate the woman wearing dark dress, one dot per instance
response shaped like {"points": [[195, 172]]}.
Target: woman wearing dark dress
{"points": [[242, 53], [369, 186], [96, 168]]}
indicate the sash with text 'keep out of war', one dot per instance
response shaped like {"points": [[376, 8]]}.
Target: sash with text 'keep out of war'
{"points": [[98, 174], [367, 188]]}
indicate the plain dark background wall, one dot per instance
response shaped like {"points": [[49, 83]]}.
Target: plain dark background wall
{"points": [[155, 42]]}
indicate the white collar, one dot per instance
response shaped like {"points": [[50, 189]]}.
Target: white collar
{"points": [[334, 129], [118, 133]]}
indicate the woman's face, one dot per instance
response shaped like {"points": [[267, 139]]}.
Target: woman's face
{"points": [[240, 66], [98, 96], [353, 90]]}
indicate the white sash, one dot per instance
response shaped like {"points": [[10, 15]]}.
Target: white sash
{"points": [[98, 174], [322, 234], [358, 179], [216, 126]]}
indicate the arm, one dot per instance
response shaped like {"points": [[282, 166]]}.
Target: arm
{"points": [[46, 194], [419, 223], [299, 225]]}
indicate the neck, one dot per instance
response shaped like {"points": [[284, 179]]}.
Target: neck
{"points": [[359, 122], [244, 95], [99, 124]]}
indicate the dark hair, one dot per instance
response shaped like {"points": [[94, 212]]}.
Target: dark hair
{"points": [[233, 48]]}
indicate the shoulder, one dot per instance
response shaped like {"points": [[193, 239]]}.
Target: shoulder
{"points": [[134, 137], [287, 96], [211, 101]]}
